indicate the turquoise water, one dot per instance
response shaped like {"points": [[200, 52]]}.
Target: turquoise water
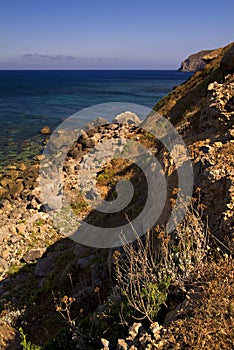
{"points": [[31, 99]]}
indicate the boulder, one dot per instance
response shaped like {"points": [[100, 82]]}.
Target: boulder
{"points": [[85, 141], [45, 130], [33, 254], [15, 189], [44, 266], [127, 118]]}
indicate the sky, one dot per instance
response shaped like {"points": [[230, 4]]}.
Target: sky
{"points": [[107, 34]]}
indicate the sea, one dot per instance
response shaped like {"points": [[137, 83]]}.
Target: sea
{"points": [[31, 99]]}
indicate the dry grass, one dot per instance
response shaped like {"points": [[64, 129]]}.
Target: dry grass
{"points": [[212, 323]]}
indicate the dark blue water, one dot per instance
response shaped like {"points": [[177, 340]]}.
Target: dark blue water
{"points": [[31, 99]]}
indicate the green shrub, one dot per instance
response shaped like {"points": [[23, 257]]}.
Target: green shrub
{"points": [[27, 345]]}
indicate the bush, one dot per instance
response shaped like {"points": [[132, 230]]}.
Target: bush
{"points": [[147, 269]]}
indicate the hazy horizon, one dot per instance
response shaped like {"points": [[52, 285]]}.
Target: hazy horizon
{"points": [[109, 35]]}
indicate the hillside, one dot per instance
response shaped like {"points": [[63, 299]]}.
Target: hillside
{"points": [[164, 291], [188, 99], [202, 111]]}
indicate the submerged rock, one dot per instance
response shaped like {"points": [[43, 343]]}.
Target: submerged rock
{"points": [[45, 130]]}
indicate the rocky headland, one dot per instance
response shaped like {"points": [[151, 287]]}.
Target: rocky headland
{"points": [[198, 60], [44, 275]]}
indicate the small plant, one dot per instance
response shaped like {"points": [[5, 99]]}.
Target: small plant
{"points": [[110, 320], [142, 278], [40, 222], [64, 308], [14, 269], [79, 206], [27, 345]]}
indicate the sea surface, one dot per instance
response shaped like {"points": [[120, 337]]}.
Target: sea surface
{"points": [[30, 100]]}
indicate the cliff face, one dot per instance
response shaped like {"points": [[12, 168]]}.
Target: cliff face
{"points": [[195, 61], [202, 109]]}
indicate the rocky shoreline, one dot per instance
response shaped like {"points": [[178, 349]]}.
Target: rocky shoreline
{"points": [[28, 237]]}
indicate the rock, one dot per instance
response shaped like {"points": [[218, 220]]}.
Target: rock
{"points": [[39, 157], [15, 239], [105, 344], [5, 253], [96, 122], [75, 152], [85, 141], [122, 345], [45, 130], [21, 228], [134, 329], [81, 250], [218, 113], [44, 266], [22, 167], [58, 141], [205, 149], [13, 174], [9, 337], [99, 274], [171, 316], [90, 132], [112, 126], [227, 62], [3, 195], [33, 255], [15, 189], [54, 202], [96, 137], [127, 118], [5, 182], [211, 56], [3, 265], [155, 328], [4, 232], [85, 262]]}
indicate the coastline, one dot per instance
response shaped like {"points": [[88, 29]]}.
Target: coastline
{"points": [[47, 97], [37, 259]]}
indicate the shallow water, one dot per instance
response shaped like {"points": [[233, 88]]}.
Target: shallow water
{"points": [[31, 99]]}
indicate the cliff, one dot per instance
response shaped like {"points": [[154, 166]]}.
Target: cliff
{"points": [[195, 61]]}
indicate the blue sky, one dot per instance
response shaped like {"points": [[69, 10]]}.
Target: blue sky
{"points": [[110, 34]]}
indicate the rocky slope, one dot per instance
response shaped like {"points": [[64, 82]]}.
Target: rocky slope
{"points": [[203, 111], [38, 265]]}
